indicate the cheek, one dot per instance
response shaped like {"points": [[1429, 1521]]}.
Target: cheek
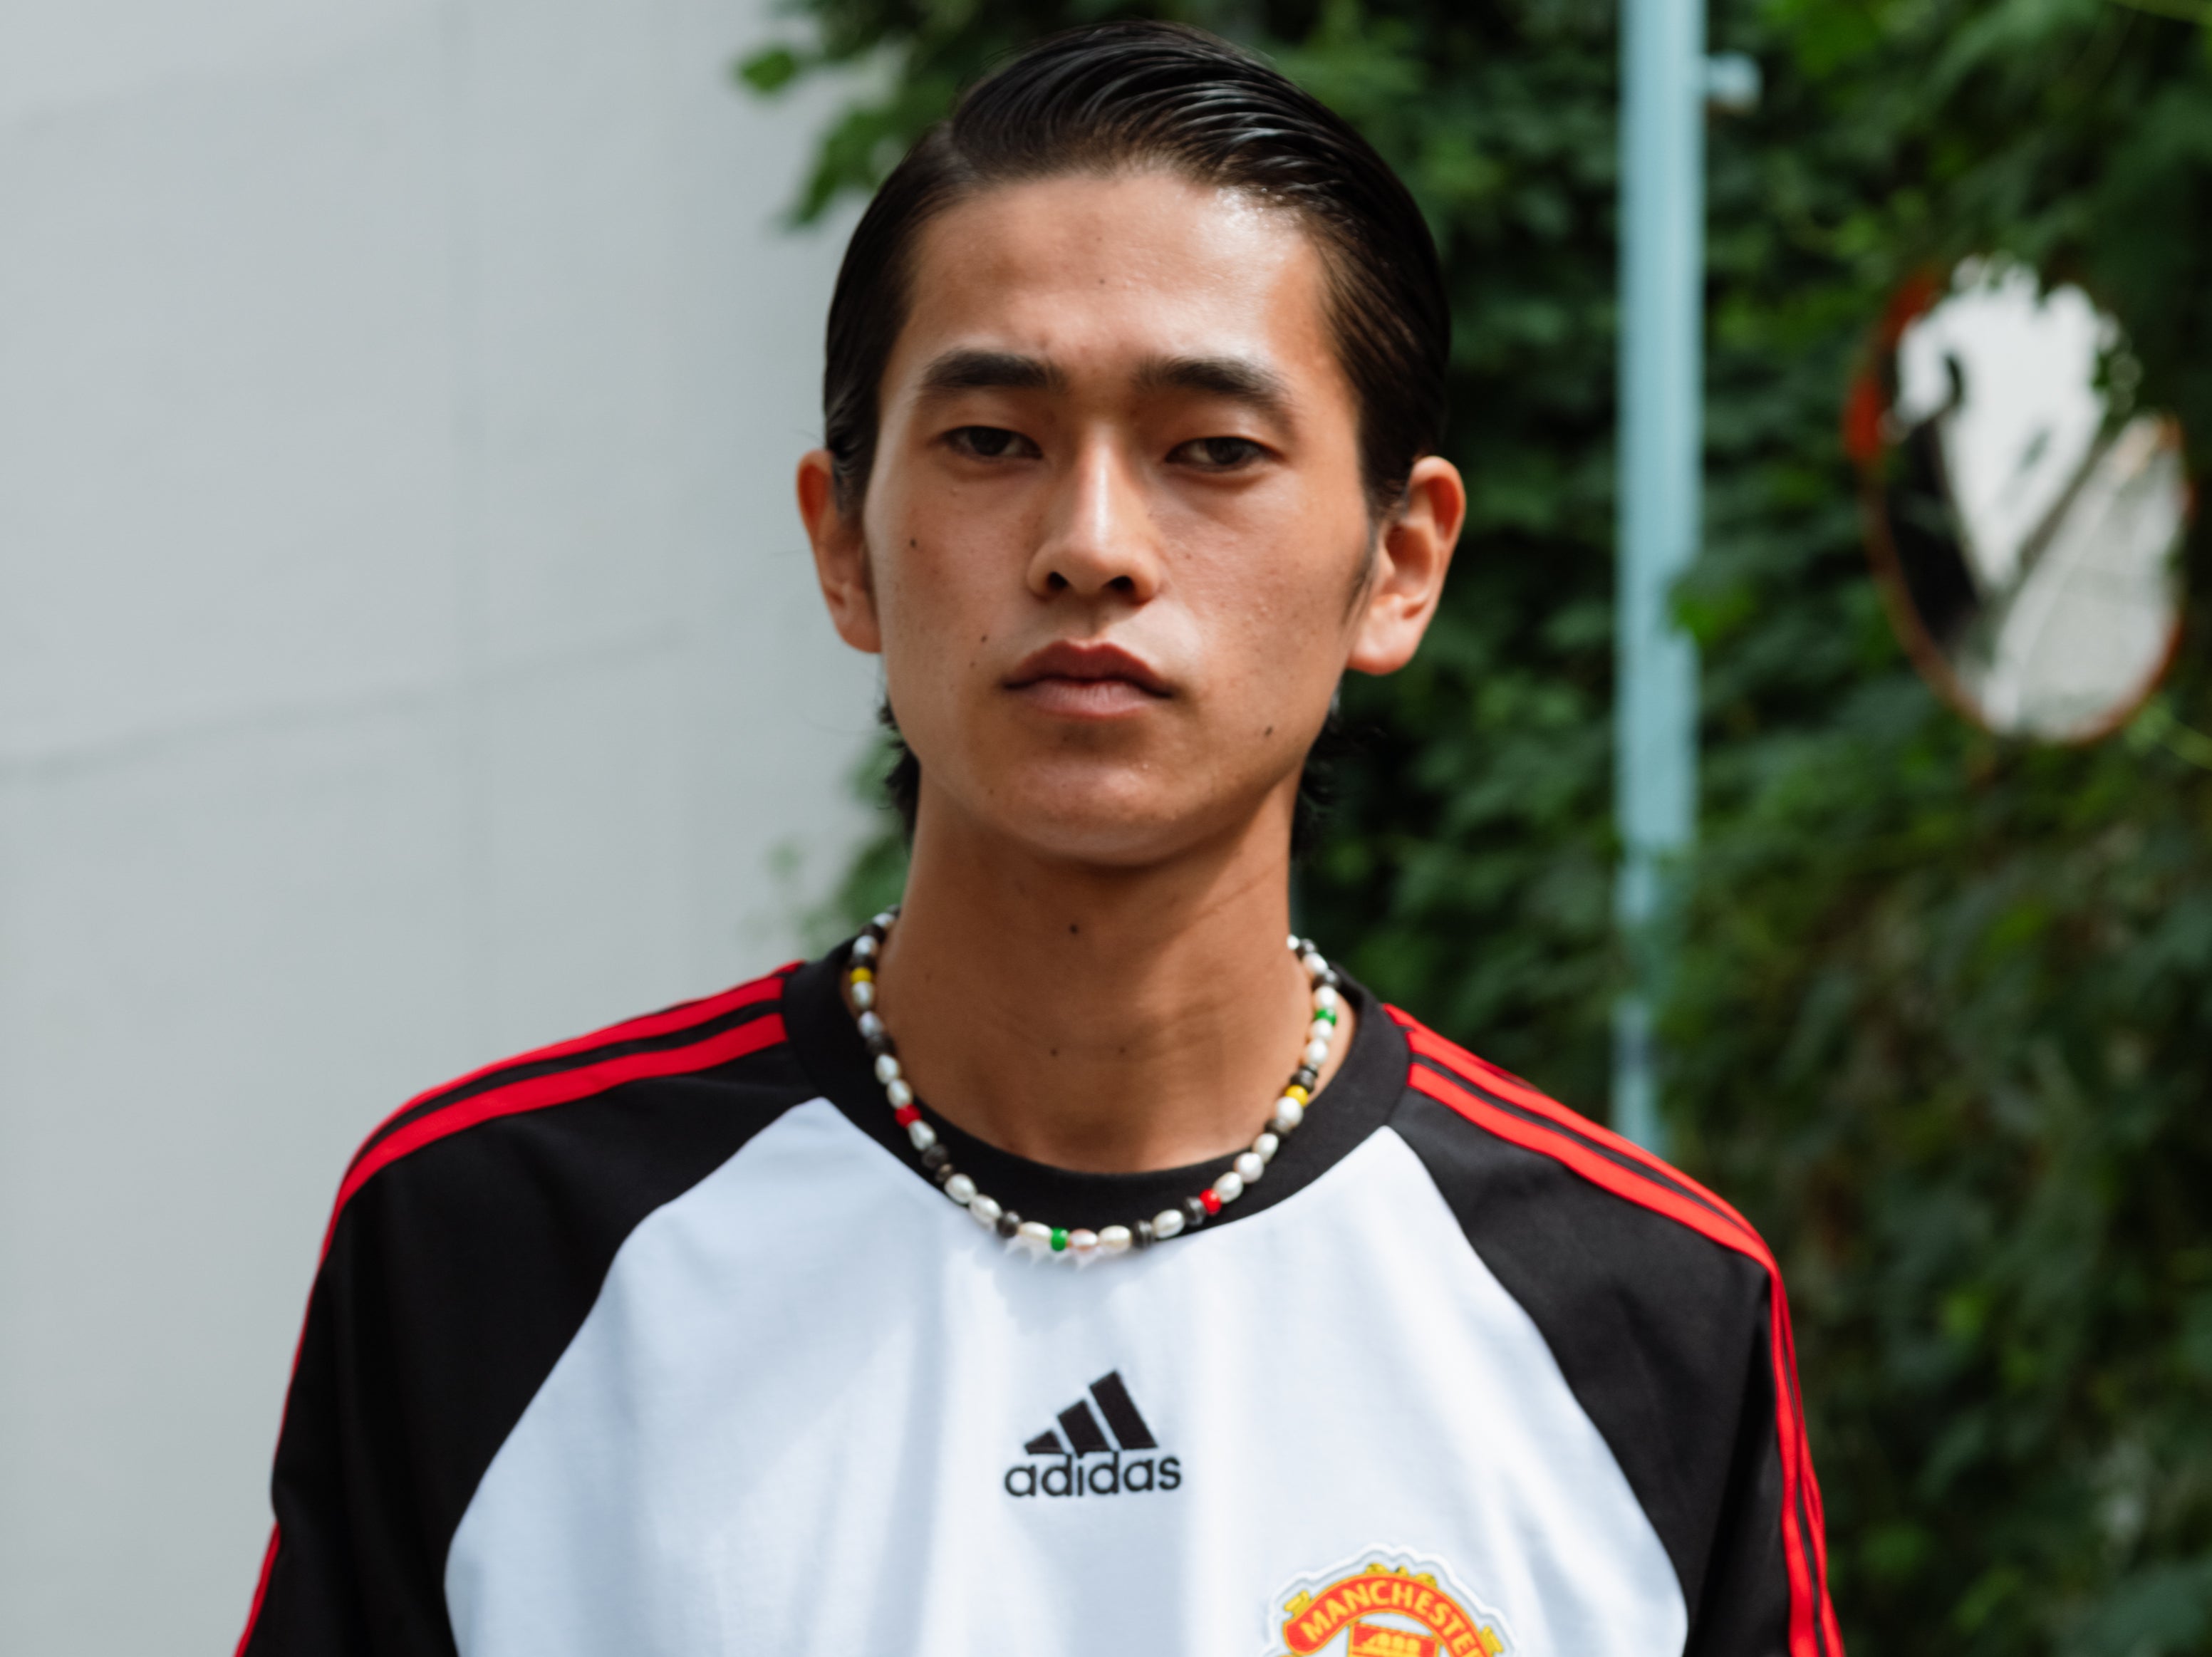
{"points": [[906, 552], [1281, 595], [940, 608]]}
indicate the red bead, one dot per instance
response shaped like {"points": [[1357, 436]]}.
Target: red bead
{"points": [[1213, 1203], [907, 1115]]}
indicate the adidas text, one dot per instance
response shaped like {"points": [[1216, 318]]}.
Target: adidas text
{"points": [[1073, 1475]]}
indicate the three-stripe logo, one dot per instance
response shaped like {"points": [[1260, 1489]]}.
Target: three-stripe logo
{"points": [[1125, 1466]]}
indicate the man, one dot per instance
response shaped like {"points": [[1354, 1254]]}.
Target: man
{"points": [[760, 1324]]}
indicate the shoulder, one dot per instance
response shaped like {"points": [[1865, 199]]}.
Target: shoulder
{"points": [[470, 1237], [617, 1079], [1662, 1307], [1485, 1132], [1609, 1248]]}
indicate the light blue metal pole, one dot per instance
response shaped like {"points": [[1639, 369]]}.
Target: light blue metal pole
{"points": [[1663, 207]]}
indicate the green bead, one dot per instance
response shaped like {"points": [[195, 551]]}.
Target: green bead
{"points": [[1329, 1013], [1059, 1240]]}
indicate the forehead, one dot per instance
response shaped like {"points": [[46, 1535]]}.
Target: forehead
{"points": [[1093, 272]]}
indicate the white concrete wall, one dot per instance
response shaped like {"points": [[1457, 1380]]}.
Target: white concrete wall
{"points": [[407, 655]]}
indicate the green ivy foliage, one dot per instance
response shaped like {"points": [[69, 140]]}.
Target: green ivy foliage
{"points": [[1942, 1023], [1945, 1020]]}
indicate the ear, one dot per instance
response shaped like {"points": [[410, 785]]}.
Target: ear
{"points": [[840, 556], [1410, 567]]}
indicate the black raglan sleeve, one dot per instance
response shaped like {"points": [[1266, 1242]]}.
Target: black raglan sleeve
{"points": [[1666, 1335], [355, 1566], [454, 1277]]}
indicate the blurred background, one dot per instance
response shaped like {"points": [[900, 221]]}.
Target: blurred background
{"points": [[409, 654], [406, 654]]}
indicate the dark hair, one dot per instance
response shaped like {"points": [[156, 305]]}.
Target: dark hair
{"points": [[1128, 96]]}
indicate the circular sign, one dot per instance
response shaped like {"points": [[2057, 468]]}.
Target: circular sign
{"points": [[2023, 515]]}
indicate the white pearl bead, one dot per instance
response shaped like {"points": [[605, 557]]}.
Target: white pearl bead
{"points": [[1326, 996], [1289, 1112], [1035, 1237], [864, 995], [1167, 1222], [864, 947], [1229, 1187], [1114, 1239], [1266, 1146], [884, 921], [985, 1209], [1249, 1167], [960, 1189], [1321, 1030], [872, 1026], [1081, 1242], [1313, 964], [887, 1068], [899, 1093], [1294, 942], [922, 1134], [1316, 1054]]}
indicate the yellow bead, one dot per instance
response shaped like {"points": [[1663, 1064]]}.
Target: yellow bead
{"points": [[1294, 1091], [860, 975]]}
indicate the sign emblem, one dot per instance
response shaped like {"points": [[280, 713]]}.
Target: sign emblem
{"points": [[1385, 1602], [1125, 1465]]}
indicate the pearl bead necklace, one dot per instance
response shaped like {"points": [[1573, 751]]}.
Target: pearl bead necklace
{"points": [[1078, 1243]]}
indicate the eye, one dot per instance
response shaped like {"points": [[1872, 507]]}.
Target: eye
{"points": [[1219, 454], [990, 443]]}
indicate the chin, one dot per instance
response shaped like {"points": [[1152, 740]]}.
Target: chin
{"points": [[1107, 811], [1119, 820], [1109, 831]]}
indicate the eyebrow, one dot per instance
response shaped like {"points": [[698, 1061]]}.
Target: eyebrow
{"points": [[986, 371], [1238, 379]]}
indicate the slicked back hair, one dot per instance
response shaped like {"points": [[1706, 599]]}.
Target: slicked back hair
{"points": [[1121, 98]]}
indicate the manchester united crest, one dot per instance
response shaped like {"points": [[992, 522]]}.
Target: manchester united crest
{"points": [[1384, 1602]]}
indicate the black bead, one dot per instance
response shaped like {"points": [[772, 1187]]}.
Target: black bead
{"points": [[943, 1171], [878, 1046], [1193, 1213], [936, 1156], [1306, 1077], [1328, 977], [1009, 1224], [1143, 1234]]}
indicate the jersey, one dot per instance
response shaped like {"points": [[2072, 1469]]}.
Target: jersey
{"points": [[662, 1343]]}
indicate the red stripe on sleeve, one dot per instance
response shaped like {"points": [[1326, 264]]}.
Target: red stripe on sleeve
{"points": [[1812, 1631], [683, 1015], [260, 1590], [558, 1089], [1506, 1085]]}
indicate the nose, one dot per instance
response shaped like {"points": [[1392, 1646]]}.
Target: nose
{"points": [[1098, 536]]}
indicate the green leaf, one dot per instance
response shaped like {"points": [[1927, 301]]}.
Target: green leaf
{"points": [[770, 70]]}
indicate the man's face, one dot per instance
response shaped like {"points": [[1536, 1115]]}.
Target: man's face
{"points": [[1115, 550]]}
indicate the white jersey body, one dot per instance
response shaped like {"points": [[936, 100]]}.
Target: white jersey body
{"points": [[794, 1422]]}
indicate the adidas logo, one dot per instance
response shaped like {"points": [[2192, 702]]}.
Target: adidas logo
{"points": [[1125, 1465]]}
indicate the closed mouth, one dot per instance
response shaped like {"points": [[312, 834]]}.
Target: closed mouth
{"points": [[1071, 663]]}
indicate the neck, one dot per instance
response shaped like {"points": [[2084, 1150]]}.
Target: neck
{"points": [[1111, 1020]]}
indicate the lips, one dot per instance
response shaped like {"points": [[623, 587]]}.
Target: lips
{"points": [[1086, 663], [1074, 681]]}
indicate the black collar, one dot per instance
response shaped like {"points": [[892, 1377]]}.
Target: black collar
{"points": [[1356, 1102]]}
